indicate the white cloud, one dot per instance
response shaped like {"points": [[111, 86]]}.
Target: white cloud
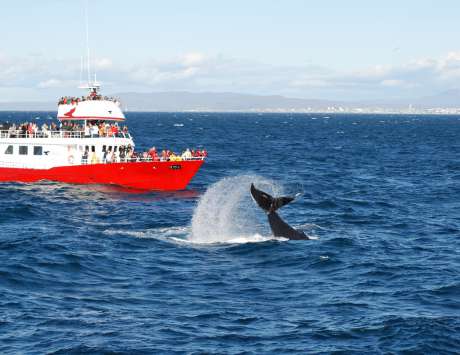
{"points": [[57, 83], [392, 82], [103, 63], [423, 76], [193, 59], [50, 83], [196, 71]]}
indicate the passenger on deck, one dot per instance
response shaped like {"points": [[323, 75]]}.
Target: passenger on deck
{"points": [[30, 130], [122, 151], [153, 154], [84, 157], [187, 154], [114, 131], [87, 131], [94, 159], [108, 156], [104, 156], [174, 157], [12, 131], [102, 130], [45, 131], [129, 154], [94, 131]]}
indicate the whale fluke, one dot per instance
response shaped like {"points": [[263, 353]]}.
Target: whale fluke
{"points": [[270, 204]]}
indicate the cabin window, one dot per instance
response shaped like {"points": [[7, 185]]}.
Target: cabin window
{"points": [[110, 148], [115, 148], [93, 148], [104, 148], [23, 150], [9, 150], [38, 150], [87, 148]]}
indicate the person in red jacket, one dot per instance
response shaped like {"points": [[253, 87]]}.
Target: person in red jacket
{"points": [[114, 130], [30, 130], [153, 154]]}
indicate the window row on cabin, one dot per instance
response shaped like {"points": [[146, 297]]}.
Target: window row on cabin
{"points": [[24, 150], [104, 148], [38, 150]]}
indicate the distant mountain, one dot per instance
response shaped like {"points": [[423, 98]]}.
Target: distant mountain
{"points": [[447, 99], [28, 106], [209, 101]]}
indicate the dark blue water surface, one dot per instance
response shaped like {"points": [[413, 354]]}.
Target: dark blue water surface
{"points": [[103, 270]]}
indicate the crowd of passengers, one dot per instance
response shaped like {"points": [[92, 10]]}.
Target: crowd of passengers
{"points": [[127, 154], [68, 100], [71, 129], [98, 129]]}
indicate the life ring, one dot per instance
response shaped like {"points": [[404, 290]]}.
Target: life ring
{"points": [[70, 159]]}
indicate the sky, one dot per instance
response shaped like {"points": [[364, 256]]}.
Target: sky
{"points": [[329, 49]]}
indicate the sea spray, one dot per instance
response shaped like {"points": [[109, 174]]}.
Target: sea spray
{"points": [[226, 212]]}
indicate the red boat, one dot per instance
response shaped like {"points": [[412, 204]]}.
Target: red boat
{"points": [[90, 147]]}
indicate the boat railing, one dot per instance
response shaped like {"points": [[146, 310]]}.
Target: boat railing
{"points": [[26, 165], [59, 134], [76, 100], [136, 160]]}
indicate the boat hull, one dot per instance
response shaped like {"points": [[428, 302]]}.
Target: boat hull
{"points": [[164, 176]]}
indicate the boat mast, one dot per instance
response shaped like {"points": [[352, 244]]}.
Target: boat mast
{"points": [[81, 71], [88, 61], [87, 43], [91, 85]]}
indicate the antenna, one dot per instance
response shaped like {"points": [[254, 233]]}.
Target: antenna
{"points": [[87, 42], [81, 71]]}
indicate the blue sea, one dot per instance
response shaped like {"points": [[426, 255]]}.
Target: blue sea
{"points": [[104, 270]]}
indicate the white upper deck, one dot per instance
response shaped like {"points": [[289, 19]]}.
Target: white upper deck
{"points": [[91, 107], [98, 109]]}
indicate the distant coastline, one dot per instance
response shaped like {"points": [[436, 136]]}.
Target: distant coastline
{"points": [[441, 112], [447, 103]]}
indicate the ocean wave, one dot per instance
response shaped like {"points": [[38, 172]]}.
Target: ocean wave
{"points": [[96, 269]]}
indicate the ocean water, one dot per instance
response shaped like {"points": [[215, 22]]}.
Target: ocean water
{"points": [[99, 269]]}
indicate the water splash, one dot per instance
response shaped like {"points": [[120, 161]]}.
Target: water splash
{"points": [[162, 233], [226, 212]]}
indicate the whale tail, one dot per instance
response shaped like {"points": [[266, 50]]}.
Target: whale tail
{"points": [[270, 204], [267, 202]]}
